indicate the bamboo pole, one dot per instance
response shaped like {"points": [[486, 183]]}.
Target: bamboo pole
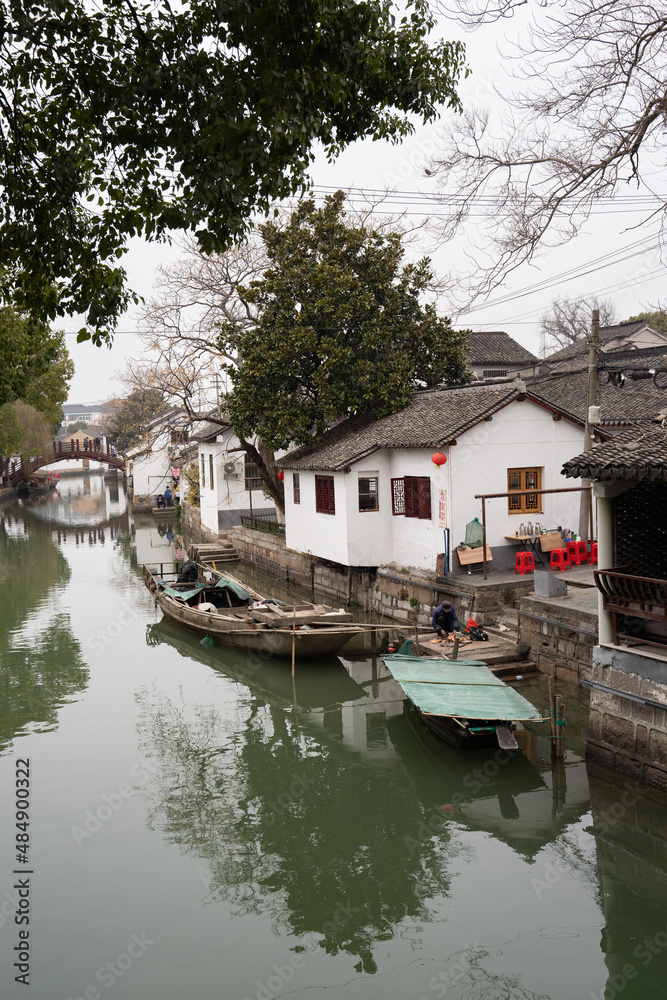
{"points": [[455, 651]]}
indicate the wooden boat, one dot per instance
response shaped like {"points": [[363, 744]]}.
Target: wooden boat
{"points": [[462, 701], [233, 614]]}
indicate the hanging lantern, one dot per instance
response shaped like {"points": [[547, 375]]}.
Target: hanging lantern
{"points": [[438, 459], [281, 475]]}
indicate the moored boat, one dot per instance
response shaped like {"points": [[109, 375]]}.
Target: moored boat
{"points": [[231, 613], [462, 701]]}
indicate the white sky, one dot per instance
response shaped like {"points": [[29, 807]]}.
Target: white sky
{"points": [[633, 285]]}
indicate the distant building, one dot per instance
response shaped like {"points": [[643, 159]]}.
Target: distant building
{"points": [[621, 338], [494, 354], [87, 413]]}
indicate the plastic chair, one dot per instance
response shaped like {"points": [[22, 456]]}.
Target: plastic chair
{"points": [[559, 560], [524, 563], [577, 552], [594, 554]]}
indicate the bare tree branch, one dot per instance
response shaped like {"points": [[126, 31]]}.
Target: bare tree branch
{"points": [[590, 113]]}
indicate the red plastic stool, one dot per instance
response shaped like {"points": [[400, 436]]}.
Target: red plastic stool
{"points": [[577, 552], [559, 560], [524, 563], [594, 553]]}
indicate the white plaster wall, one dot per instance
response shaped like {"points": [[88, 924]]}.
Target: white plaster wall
{"points": [[228, 492], [151, 473], [521, 435], [323, 535]]}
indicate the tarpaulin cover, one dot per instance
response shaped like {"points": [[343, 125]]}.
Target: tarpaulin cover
{"points": [[466, 689]]}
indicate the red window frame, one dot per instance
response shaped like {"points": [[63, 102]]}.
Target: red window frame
{"points": [[325, 495]]}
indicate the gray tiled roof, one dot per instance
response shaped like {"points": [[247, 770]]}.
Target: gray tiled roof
{"points": [[431, 420], [633, 454], [635, 402], [495, 347], [579, 349]]}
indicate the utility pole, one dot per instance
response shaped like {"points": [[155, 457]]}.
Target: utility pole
{"points": [[585, 512]]}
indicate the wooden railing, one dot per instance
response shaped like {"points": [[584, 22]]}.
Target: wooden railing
{"points": [[64, 450], [639, 596]]}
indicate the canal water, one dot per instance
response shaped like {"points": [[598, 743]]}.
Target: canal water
{"points": [[196, 828]]}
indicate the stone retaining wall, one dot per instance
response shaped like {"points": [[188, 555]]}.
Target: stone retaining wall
{"points": [[627, 729], [563, 645]]}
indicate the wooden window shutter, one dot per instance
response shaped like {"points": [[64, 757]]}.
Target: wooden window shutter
{"points": [[325, 498]]}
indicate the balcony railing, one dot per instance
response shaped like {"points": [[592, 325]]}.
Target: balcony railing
{"points": [[637, 596]]}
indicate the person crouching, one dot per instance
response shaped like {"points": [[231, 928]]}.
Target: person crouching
{"points": [[445, 619]]}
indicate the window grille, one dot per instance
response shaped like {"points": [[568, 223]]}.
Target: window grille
{"points": [[253, 480], [325, 500], [398, 496], [296, 487], [524, 479], [494, 372]]}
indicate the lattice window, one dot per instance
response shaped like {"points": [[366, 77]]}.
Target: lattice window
{"points": [[524, 479], [253, 480], [494, 372], [325, 499], [418, 497], [368, 493], [296, 487], [398, 496]]}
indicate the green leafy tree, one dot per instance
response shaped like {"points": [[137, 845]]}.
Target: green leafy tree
{"points": [[27, 350], [142, 118], [657, 319], [342, 331], [131, 415], [48, 391]]}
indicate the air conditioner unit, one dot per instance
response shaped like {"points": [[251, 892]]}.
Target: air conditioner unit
{"points": [[231, 469]]}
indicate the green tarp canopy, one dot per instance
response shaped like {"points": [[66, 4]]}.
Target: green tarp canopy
{"points": [[218, 585], [465, 689]]}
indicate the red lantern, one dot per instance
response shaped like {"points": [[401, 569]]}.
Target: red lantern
{"points": [[438, 459], [281, 475]]}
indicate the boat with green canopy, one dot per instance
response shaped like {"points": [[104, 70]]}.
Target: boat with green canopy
{"points": [[462, 700], [225, 610]]}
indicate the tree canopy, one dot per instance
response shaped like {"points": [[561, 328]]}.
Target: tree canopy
{"points": [[342, 330], [657, 319], [27, 349], [141, 118], [131, 414]]}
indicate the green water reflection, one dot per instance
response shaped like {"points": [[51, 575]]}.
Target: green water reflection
{"points": [[40, 658], [292, 837]]}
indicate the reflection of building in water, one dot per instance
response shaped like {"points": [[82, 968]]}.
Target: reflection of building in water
{"points": [[153, 542], [630, 826]]}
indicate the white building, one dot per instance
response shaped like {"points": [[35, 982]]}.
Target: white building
{"points": [[229, 481], [369, 494], [150, 462]]}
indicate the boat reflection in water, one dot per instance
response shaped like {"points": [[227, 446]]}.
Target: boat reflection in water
{"points": [[488, 788]]}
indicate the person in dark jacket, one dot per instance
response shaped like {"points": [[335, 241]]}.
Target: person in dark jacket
{"points": [[445, 619]]}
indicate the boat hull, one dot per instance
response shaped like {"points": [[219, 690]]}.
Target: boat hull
{"points": [[459, 735], [256, 638]]}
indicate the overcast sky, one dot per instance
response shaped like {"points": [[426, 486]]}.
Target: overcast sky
{"points": [[623, 263]]}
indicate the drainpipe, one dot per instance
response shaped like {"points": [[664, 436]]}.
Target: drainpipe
{"points": [[605, 561]]}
